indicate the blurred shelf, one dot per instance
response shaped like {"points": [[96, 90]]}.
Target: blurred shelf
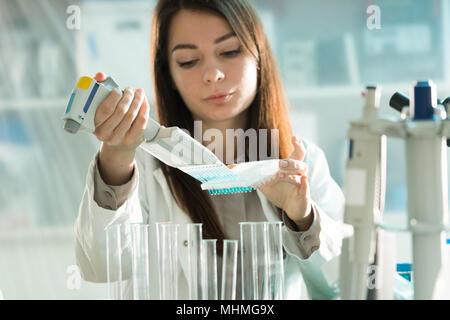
{"points": [[33, 103], [326, 91], [33, 234], [443, 90]]}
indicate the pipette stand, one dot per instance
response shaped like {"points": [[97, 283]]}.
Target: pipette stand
{"points": [[424, 128]]}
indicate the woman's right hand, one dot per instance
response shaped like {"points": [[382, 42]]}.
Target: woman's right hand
{"points": [[120, 121]]}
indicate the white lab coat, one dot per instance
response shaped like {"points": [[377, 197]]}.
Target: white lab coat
{"points": [[151, 201]]}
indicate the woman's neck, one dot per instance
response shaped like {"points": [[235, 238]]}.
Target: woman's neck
{"points": [[211, 129]]}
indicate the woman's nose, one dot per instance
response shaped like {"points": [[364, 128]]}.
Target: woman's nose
{"points": [[213, 74]]}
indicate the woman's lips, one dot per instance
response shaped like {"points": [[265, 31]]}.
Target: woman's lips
{"points": [[220, 99]]}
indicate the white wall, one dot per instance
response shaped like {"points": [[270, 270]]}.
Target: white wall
{"points": [[39, 264]]}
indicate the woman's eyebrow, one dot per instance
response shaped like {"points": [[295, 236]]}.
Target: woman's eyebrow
{"points": [[193, 46]]}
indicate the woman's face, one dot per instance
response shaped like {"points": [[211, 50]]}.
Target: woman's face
{"points": [[216, 79]]}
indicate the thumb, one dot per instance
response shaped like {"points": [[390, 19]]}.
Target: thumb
{"points": [[100, 77], [299, 149], [304, 187]]}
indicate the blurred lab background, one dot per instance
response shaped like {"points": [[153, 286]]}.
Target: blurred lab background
{"points": [[325, 50]]}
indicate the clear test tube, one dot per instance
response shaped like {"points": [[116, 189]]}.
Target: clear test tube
{"points": [[167, 247], [118, 261], [229, 270], [194, 238], [127, 262], [209, 269], [114, 262], [262, 260], [140, 272]]}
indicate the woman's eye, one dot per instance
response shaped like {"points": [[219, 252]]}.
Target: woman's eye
{"points": [[191, 63], [187, 64], [232, 53]]}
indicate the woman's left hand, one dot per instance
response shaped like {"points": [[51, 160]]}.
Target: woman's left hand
{"points": [[290, 188]]}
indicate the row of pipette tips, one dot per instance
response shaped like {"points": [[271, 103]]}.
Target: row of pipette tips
{"points": [[230, 190], [247, 188], [205, 173]]}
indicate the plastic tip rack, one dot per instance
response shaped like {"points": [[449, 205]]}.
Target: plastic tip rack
{"points": [[243, 178], [230, 190]]}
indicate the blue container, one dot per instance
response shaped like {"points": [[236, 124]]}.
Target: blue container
{"points": [[424, 100], [405, 270]]}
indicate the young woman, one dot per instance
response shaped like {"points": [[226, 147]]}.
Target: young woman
{"points": [[211, 63]]}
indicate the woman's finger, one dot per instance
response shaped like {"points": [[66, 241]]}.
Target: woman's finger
{"points": [[140, 123], [289, 178], [299, 149], [304, 188], [100, 77], [106, 108], [125, 124], [121, 109], [293, 166]]}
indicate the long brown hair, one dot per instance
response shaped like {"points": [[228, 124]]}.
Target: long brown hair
{"points": [[267, 111]]}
